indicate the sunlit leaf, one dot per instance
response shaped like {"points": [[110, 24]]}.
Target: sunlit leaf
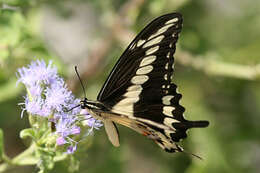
{"points": [[27, 133]]}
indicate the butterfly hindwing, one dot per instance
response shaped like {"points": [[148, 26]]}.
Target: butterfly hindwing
{"points": [[140, 89]]}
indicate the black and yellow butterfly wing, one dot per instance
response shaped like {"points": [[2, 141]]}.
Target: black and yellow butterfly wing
{"points": [[139, 91]]}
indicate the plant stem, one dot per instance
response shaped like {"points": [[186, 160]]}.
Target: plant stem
{"points": [[24, 158], [212, 66]]}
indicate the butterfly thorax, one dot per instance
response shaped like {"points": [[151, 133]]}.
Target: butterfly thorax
{"points": [[99, 111]]}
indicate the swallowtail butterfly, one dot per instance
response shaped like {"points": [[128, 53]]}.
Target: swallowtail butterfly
{"points": [[139, 92]]}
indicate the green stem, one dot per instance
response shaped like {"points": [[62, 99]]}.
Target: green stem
{"points": [[24, 158], [212, 66]]}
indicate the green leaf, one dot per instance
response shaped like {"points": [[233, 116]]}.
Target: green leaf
{"points": [[47, 159], [27, 133], [1, 144]]}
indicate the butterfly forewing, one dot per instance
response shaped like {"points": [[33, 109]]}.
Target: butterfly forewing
{"points": [[140, 88], [144, 50]]}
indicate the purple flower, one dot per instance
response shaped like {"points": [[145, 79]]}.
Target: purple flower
{"points": [[57, 96], [66, 126], [49, 97], [26, 76], [36, 107], [71, 149], [61, 141], [35, 90], [47, 74], [36, 73], [90, 121], [48, 92]]}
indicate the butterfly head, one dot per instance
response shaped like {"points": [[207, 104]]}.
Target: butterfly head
{"points": [[85, 103], [92, 105]]}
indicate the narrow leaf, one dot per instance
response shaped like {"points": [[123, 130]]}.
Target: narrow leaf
{"points": [[27, 133]]}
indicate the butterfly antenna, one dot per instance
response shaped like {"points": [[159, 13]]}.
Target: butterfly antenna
{"points": [[72, 108], [76, 70]]}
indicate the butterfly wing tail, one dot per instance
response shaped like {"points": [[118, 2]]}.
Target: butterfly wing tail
{"points": [[197, 124], [190, 124]]}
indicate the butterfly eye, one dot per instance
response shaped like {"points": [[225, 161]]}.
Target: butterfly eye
{"points": [[82, 104]]}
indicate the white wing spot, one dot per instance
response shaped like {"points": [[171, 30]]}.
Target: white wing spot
{"points": [[166, 66], [168, 132], [163, 29], [167, 99], [168, 55], [140, 42], [125, 106], [148, 60], [152, 50], [144, 70], [172, 21], [135, 88], [153, 41], [127, 101], [165, 77], [169, 121], [167, 110], [133, 93], [139, 79]]}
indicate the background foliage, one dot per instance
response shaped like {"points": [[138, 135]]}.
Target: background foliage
{"points": [[217, 71]]}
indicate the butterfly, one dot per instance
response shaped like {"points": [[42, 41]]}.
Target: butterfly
{"points": [[139, 92]]}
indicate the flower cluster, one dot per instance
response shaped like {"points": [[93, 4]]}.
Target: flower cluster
{"points": [[90, 121], [48, 96]]}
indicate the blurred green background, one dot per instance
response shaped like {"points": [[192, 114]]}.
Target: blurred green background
{"points": [[217, 71]]}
